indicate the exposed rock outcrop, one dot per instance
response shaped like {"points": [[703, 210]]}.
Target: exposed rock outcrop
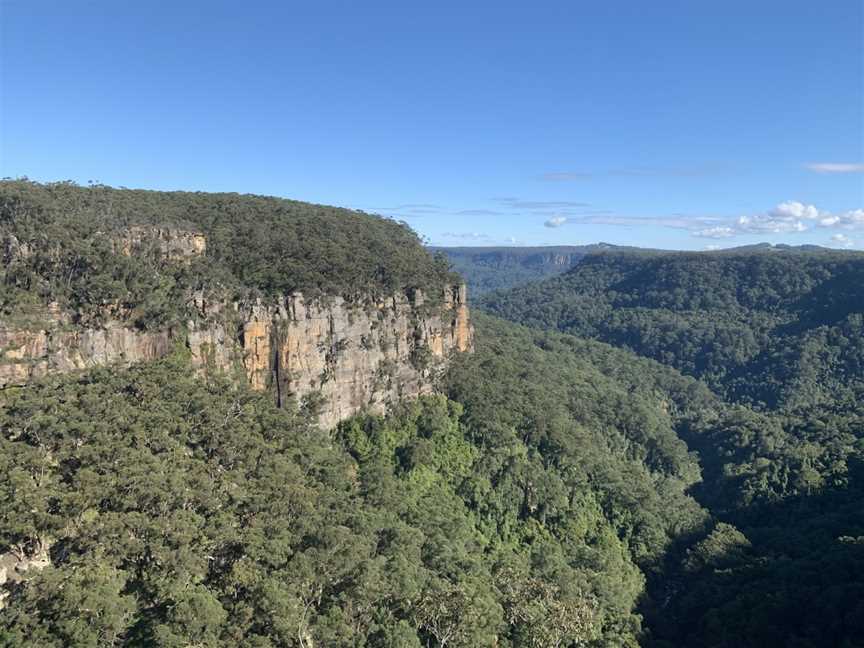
{"points": [[173, 244], [15, 565], [346, 356], [28, 354]]}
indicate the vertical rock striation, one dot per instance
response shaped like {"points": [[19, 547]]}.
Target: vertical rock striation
{"points": [[343, 356]]}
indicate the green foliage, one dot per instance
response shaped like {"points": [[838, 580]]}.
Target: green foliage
{"points": [[762, 327], [778, 333], [179, 512], [59, 247], [552, 496], [183, 513]]}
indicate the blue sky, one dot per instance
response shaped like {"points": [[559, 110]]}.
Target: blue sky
{"points": [[673, 124]]}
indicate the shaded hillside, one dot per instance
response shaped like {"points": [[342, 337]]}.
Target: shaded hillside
{"points": [[523, 512], [759, 325], [492, 268], [779, 332]]}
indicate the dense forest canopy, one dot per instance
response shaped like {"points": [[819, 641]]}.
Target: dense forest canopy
{"points": [[544, 501], [765, 326], [777, 334], [59, 239], [659, 450], [177, 511]]}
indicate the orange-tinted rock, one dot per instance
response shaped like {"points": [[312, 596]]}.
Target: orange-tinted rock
{"points": [[354, 356]]}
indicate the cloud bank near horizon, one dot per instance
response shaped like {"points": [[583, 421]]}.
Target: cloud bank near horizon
{"points": [[836, 167]]}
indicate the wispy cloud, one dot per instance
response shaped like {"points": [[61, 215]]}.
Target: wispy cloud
{"points": [[574, 211], [517, 203], [556, 221], [836, 167], [407, 206], [842, 240], [607, 218], [480, 238], [788, 217], [478, 212]]}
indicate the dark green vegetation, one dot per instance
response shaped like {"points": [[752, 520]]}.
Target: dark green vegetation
{"points": [[495, 268], [59, 245], [561, 491], [769, 328], [779, 335], [183, 513]]}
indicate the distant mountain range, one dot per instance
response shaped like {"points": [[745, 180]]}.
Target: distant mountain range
{"points": [[495, 268]]}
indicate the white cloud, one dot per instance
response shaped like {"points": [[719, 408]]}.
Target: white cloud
{"points": [[715, 233], [764, 223], [842, 240], [852, 219], [793, 209], [556, 221], [836, 167], [788, 217]]}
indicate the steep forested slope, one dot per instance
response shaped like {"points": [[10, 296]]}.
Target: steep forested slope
{"points": [[525, 510], [558, 491], [779, 335], [763, 326]]}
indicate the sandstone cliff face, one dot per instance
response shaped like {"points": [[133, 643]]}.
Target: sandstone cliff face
{"points": [[346, 356], [173, 244], [350, 356], [28, 354]]}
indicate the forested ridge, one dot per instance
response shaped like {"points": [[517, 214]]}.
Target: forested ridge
{"points": [[767, 327], [59, 243], [658, 450], [777, 334]]}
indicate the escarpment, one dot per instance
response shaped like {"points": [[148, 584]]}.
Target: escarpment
{"points": [[334, 355], [345, 356]]}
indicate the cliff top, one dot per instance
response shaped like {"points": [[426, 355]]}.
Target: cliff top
{"points": [[88, 247]]}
